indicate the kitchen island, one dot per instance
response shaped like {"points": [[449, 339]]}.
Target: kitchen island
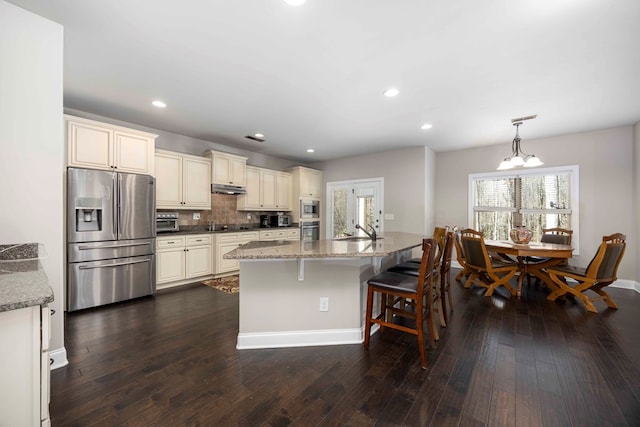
{"points": [[307, 293]]}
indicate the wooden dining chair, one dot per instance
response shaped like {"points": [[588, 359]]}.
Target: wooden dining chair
{"points": [[445, 277], [598, 274], [462, 260], [537, 265], [404, 296], [488, 272]]}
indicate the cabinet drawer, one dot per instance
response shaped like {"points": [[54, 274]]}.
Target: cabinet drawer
{"points": [[198, 240], [295, 232], [266, 235], [227, 238], [248, 237], [281, 234], [170, 242]]}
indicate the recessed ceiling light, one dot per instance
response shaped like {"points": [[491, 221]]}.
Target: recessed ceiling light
{"points": [[295, 2], [426, 126], [310, 150], [258, 135], [391, 92], [159, 104]]}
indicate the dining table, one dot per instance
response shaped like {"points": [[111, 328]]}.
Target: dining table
{"points": [[550, 253]]}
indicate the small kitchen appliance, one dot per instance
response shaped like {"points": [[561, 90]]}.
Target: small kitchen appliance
{"points": [[280, 220], [265, 221], [167, 222]]}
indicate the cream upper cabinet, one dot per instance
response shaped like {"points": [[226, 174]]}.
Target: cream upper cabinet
{"points": [[267, 190], [182, 181], [283, 191], [96, 145], [227, 169], [307, 183]]}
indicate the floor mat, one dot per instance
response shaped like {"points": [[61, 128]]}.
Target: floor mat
{"points": [[228, 284]]}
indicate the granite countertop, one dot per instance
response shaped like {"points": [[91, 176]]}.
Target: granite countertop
{"points": [[23, 282], [388, 244]]}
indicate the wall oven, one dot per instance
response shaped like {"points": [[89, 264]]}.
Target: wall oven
{"points": [[309, 209], [310, 230]]}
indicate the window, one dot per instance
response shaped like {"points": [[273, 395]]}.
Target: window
{"points": [[536, 199]]}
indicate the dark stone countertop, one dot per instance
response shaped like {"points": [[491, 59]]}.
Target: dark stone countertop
{"points": [[202, 229], [23, 282]]}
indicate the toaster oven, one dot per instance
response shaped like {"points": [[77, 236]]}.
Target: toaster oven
{"points": [[167, 222]]}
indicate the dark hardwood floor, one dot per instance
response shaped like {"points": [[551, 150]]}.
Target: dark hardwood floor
{"points": [[170, 360]]}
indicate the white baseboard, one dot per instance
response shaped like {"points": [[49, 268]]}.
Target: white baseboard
{"points": [[299, 338], [58, 357], [626, 284]]}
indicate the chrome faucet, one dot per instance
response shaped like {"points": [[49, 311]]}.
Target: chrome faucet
{"points": [[373, 236]]}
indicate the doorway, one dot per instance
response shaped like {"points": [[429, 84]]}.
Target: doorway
{"points": [[354, 202]]}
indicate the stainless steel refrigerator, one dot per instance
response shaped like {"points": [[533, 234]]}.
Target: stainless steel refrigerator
{"points": [[111, 237]]}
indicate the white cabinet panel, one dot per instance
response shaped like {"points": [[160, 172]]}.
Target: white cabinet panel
{"points": [[182, 181], [183, 257], [267, 190], [227, 169], [96, 145]]}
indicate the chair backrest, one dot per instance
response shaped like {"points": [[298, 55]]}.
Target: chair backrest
{"points": [[604, 265], [459, 251], [445, 263], [475, 251], [561, 236], [439, 235], [425, 275]]}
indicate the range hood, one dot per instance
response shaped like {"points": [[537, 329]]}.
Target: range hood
{"points": [[228, 189]]}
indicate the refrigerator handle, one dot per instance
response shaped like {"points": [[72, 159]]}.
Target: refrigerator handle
{"points": [[127, 245], [116, 203], [119, 264]]}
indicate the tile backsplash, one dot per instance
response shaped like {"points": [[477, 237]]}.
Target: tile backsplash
{"points": [[223, 212]]}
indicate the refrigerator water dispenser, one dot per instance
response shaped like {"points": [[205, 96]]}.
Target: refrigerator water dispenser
{"points": [[88, 214]]}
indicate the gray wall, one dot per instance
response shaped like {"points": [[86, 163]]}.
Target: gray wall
{"points": [[31, 143], [606, 161], [408, 184]]}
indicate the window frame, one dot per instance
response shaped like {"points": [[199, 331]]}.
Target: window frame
{"points": [[572, 170]]}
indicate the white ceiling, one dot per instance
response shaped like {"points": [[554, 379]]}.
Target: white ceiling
{"points": [[313, 76]]}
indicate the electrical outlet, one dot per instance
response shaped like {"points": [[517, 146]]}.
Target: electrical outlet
{"points": [[389, 217], [196, 215], [324, 304], [248, 216]]}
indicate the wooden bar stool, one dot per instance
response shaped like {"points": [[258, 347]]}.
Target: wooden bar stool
{"points": [[406, 296]]}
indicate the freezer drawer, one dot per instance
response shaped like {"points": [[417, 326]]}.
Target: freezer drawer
{"points": [[97, 283], [93, 251]]}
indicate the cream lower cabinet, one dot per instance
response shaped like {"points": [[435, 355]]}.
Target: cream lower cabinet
{"points": [[182, 258], [182, 181], [280, 234], [226, 242], [96, 145], [24, 371]]}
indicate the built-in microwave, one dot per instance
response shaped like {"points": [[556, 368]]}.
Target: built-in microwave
{"points": [[309, 209]]}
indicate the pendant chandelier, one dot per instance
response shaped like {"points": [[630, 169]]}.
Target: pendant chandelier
{"points": [[518, 157]]}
